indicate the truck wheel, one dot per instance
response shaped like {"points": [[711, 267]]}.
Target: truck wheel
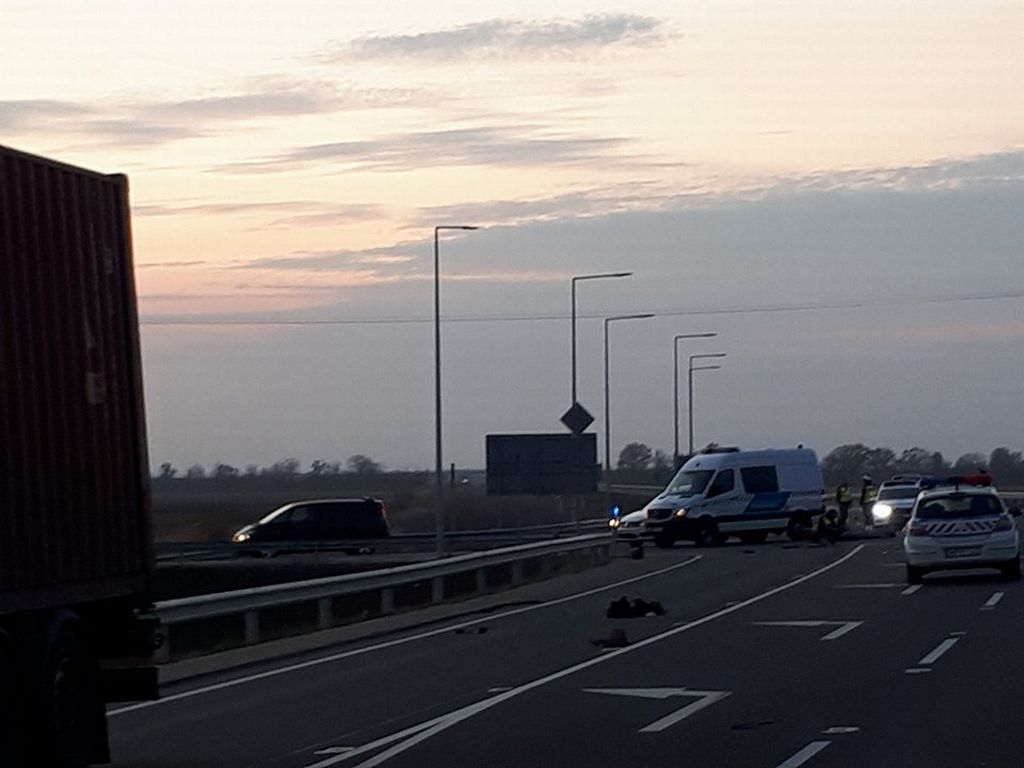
{"points": [[67, 708], [799, 527], [707, 534]]}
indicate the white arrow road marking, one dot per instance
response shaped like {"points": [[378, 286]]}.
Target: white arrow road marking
{"points": [[843, 626], [704, 699]]}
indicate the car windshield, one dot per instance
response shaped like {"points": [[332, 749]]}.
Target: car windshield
{"points": [[959, 505], [690, 483], [888, 494]]}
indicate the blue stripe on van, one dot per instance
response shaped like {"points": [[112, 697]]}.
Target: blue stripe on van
{"points": [[767, 502]]}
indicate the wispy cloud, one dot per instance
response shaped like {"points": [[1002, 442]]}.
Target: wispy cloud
{"points": [[506, 38], [309, 213], [340, 260], [489, 145], [147, 122]]}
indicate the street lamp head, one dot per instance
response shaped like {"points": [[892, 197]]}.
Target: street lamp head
{"points": [[642, 316], [706, 367], [679, 336], [706, 356], [602, 275], [463, 227]]}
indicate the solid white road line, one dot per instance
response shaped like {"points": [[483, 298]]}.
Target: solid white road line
{"points": [[911, 589], [993, 601], [391, 643], [940, 649], [805, 754], [424, 731], [843, 626]]}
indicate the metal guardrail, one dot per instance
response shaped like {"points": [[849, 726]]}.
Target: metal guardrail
{"points": [[399, 542], [321, 593]]}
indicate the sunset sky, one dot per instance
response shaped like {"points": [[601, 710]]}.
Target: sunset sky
{"points": [[835, 187]]}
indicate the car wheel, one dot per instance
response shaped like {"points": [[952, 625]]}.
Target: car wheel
{"points": [[1011, 571], [707, 534], [914, 575], [799, 527]]}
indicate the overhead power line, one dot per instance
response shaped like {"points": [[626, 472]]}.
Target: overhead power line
{"points": [[808, 307]]}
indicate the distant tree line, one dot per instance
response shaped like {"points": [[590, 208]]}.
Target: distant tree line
{"points": [[357, 464], [638, 462], [851, 462]]}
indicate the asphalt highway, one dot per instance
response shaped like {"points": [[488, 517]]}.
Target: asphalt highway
{"points": [[774, 655]]}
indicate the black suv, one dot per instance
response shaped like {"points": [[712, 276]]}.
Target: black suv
{"points": [[319, 520]]}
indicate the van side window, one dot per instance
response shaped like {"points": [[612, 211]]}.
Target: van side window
{"points": [[760, 479], [723, 483]]}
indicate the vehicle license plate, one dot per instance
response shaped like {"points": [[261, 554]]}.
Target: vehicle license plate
{"points": [[963, 551]]}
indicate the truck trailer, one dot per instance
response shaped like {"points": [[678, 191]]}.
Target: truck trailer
{"points": [[77, 627]]}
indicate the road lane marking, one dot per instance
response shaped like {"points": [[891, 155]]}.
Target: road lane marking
{"points": [[917, 670], [938, 651], [843, 626], [887, 585], [391, 643], [836, 729], [499, 689], [993, 601], [704, 699], [423, 731], [804, 754], [333, 750], [911, 589]]}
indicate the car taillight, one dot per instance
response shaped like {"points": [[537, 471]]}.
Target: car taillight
{"points": [[1004, 524]]}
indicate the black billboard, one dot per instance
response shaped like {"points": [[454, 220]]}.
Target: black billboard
{"points": [[542, 464]]}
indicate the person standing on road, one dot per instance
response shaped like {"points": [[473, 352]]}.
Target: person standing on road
{"points": [[867, 496], [843, 499]]}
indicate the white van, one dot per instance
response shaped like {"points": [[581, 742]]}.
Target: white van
{"points": [[749, 494]]}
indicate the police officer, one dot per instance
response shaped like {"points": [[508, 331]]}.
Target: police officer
{"points": [[843, 499], [867, 496]]}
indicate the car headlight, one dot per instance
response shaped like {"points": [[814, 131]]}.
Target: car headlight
{"points": [[240, 537], [613, 523], [681, 512], [881, 511]]}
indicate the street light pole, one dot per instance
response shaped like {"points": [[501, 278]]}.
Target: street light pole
{"points": [[675, 388], [607, 419], [576, 279], [438, 512], [690, 390]]}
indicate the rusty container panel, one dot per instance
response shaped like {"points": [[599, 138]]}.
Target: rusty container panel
{"points": [[74, 512]]}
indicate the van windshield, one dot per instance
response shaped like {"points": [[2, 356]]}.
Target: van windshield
{"points": [[274, 515], [690, 483]]}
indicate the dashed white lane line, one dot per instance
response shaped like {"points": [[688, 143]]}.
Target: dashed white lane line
{"points": [[804, 754], [887, 585], [917, 670], [911, 589], [836, 729], [391, 643], [421, 732], [993, 601], [938, 651]]}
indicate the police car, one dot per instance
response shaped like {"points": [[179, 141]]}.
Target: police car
{"points": [[957, 525], [895, 501]]}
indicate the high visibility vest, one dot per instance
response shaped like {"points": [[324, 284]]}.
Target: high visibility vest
{"points": [[843, 494]]}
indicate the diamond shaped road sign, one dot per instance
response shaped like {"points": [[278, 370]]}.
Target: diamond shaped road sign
{"points": [[577, 419]]}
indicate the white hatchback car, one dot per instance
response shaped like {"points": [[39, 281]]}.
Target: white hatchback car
{"points": [[955, 527]]}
